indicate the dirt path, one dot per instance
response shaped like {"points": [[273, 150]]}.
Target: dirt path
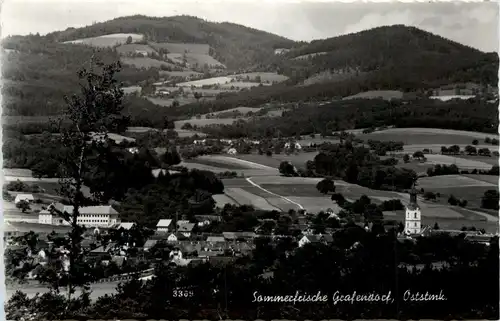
{"points": [[274, 194]]}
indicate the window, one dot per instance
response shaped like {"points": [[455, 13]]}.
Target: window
{"points": [[415, 214]]}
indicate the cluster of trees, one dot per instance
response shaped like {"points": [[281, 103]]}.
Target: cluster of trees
{"points": [[471, 150], [490, 199], [356, 260], [362, 113], [359, 165], [382, 147], [185, 193], [18, 186], [488, 140], [443, 170]]}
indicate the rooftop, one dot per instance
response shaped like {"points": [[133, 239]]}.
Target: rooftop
{"points": [[164, 223]]}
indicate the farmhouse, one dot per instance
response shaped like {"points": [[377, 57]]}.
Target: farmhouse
{"points": [[306, 239], [93, 216], [291, 145], [163, 225], [186, 229], [24, 197]]}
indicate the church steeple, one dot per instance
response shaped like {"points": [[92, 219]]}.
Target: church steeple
{"points": [[413, 196]]}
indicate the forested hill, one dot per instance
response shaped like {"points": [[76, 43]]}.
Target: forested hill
{"points": [[234, 45], [395, 53]]}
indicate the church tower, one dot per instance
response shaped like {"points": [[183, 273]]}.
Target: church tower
{"points": [[412, 217]]}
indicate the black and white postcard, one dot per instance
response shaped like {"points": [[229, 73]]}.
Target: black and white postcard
{"points": [[222, 160]]}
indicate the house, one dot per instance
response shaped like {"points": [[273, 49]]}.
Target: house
{"points": [[482, 239], [46, 217], [173, 237], [186, 229], [149, 244], [126, 225], [290, 145], [91, 216], [325, 238], [24, 197], [232, 151], [215, 239], [163, 225], [133, 150], [182, 222], [309, 239]]}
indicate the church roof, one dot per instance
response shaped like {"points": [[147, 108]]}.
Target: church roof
{"points": [[412, 207]]}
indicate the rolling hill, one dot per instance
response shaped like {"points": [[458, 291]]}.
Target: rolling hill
{"points": [[233, 45], [401, 51], [39, 70]]}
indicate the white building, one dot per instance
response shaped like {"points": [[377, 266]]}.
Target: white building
{"points": [[295, 145], [308, 239], [24, 197], [172, 238], [46, 217], [232, 151], [94, 216], [163, 225], [133, 150], [413, 215]]}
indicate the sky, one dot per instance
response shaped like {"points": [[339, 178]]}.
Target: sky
{"points": [[471, 23]]}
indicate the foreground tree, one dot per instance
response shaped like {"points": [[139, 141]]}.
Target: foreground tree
{"points": [[92, 113]]}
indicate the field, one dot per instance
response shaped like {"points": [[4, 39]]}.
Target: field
{"points": [[6, 120], [228, 162], [487, 160], [298, 160], [460, 162], [292, 192], [428, 136], [264, 76], [195, 59], [468, 187], [240, 85], [131, 49], [384, 94], [108, 40], [180, 73], [167, 102], [205, 82], [204, 122], [181, 132], [180, 48], [242, 110], [144, 62], [310, 55], [132, 89]]}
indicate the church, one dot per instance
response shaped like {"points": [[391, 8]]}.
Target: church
{"points": [[413, 215]]}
